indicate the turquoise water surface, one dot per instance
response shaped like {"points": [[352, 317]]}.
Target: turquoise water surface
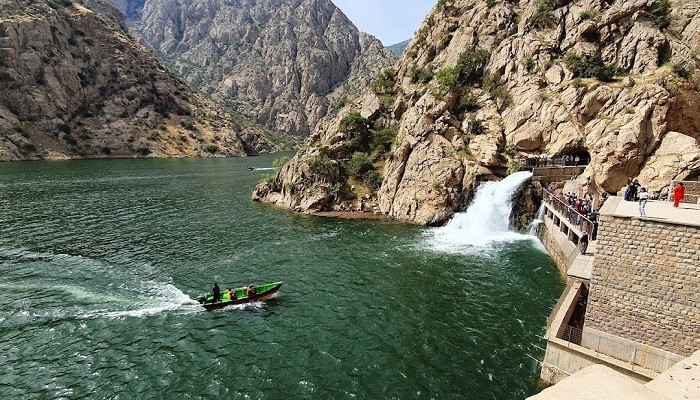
{"points": [[100, 260]]}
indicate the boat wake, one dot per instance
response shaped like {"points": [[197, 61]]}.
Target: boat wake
{"points": [[485, 224], [72, 286], [159, 299]]}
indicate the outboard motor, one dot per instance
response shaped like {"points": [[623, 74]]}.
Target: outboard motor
{"points": [[201, 299]]}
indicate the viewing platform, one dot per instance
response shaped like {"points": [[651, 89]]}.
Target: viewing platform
{"points": [[556, 174], [564, 228], [631, 301], [657, 210], [553, 169]]}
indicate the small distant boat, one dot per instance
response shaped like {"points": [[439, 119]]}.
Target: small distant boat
{"points": [[240, 296], [250, 168]]}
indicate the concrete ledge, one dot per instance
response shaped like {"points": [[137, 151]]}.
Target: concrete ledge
{"points": [[656, 211], [598, 382]]}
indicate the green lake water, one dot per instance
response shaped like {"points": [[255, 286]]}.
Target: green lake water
{"points": [[100, 260]]}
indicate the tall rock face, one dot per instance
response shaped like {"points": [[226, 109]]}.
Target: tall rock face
{"points": [[485, 83], [131, 9], [283, 63], [74, 83]]}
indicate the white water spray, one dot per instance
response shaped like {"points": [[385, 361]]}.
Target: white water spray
{"points": [[534, 228], [487, 219]]}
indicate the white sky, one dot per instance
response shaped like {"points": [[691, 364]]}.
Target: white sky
{"points": [[391, 21]]}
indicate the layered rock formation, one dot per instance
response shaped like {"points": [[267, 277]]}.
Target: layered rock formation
{"points": [[74, 83], [284, 63], [486, 82]]}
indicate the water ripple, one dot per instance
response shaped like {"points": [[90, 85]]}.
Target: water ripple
{"points": [[99, 261]]}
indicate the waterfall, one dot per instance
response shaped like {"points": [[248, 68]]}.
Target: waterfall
{"points": [[534, 228], [487, 219]]}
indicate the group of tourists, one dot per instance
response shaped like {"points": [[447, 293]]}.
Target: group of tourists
{"points": [[634, 191], [582, 206], [537, 161], [568, 160], [544, 161], [216, 292], [581, 212]]}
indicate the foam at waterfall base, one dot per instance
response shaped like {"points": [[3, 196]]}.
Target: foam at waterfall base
{"points": [[485, 224]]}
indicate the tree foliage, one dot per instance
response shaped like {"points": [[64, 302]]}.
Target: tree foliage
{"points": [[589, 66]]}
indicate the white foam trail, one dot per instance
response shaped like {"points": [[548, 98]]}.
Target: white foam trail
{"points": [[161, 298], [486, 221]]}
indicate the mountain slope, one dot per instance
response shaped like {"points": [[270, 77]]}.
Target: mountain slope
{"points": [[399, 48], [76, 84], [282, 63], [484, 83]]}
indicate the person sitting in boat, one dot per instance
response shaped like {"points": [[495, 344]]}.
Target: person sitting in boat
{"points": [[250, 290], [216, 293], [231, 295]]}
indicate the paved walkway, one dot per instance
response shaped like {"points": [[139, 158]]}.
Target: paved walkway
{"points": [[598, 382], [582, 267], [657, 210]]}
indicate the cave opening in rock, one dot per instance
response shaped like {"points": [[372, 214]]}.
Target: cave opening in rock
{"points": [[575, 157], [694, 176]]}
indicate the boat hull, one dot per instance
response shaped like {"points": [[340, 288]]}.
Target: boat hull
{"points": [[265, 292]]}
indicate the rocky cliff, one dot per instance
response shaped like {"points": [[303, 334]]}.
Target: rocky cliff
{"points": [[74, 83], [285, 64], [486, 82], [131, 9], [399, 48]]}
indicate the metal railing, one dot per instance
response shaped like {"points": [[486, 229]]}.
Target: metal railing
{"points": [[538, 162], [583, 223], [634, 356]]}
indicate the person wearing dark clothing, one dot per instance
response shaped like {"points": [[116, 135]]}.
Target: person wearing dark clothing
{"points": [[635, 190], [594, 232], [628, 190], [583, 243], [250, 291], [216, 292]]}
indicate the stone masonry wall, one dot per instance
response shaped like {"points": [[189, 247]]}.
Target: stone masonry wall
{"points": [[646, 283]]}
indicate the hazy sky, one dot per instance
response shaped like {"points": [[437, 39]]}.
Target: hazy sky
{"points": [[391, 21]]}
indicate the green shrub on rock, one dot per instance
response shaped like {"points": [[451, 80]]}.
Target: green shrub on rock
{"points": [[468, 71], [359, 165], [355, 123], [662, 14], [589, 66], [681, 69], [476, 126], [385, 83], [279, 163], [382, 139], [421, 75], [321, 164]]}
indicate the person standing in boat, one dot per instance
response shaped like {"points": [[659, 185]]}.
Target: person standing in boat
{"points": [[216, 292]]}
